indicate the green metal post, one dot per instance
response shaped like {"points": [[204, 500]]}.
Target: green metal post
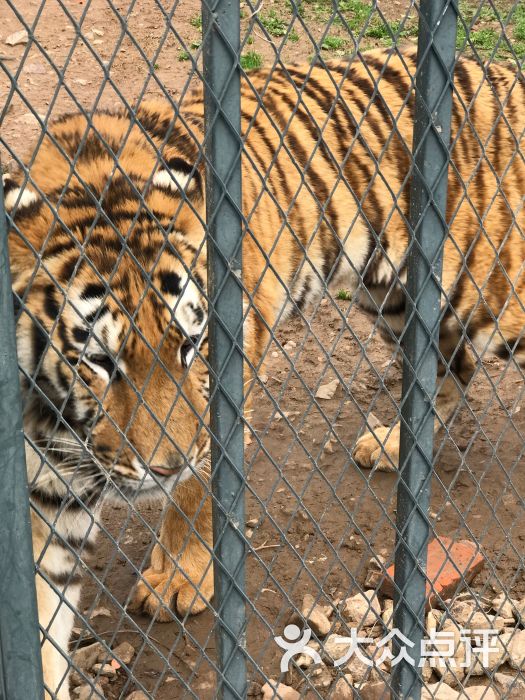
{"points": [[20, 662], [221, 36], [436, 58]]}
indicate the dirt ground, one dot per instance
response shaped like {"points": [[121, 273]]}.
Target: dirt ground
{"points": [[319, 518]]}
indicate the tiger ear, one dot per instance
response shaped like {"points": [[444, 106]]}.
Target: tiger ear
{"points": [[179, 176], [15, 195]]}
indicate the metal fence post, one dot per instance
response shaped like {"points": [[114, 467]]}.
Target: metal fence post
{"points": [[436, 58], [221, 38], [20, 661]]}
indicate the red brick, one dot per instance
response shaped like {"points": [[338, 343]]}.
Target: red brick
{"points": [[448, 565]]}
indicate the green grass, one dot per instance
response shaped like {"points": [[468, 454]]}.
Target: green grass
{"points": [[484, 39], [183, 56], [343, 295], [251, 60], [195, 44], [333, 43], [274, 25], [518, 18], [196, 21], [293, 36]]}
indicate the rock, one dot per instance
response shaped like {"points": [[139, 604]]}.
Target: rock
{"points": [[105, 670], [315, 617], [516, 649], [305, 660], [270, 691], [503, 605], [88, 692], [343, 689], [439, 691], [378, 690], [512, 687], [124, 652], [100, 612], [481, 692], [388, 614], [519, 611], [327, 391], [137, 695], [376, 567], [333, 650], [322, 679], [362, 609], [16, 38], [85, 657], [362, 671]]}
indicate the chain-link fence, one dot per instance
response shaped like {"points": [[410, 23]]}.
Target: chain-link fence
{"points": [[243, 484]]}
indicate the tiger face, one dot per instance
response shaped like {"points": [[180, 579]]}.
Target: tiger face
{"points": [[112, 347]]}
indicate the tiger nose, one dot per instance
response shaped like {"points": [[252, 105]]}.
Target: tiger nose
{"points": [[174, 463]]}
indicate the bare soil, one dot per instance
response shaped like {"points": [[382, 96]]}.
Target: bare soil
{"points": [[319, 517]]}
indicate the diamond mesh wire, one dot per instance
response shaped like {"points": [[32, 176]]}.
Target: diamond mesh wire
{"points": [[317, 523]]}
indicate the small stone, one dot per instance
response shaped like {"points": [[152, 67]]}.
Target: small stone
{"points": [[124, 652], [343, 689], [377, 690], [100, 612], [137, 695], [85, 657], [362, 609], [503, 605], [97, 32], [439, 691], [88, 692], [315, 616], [35, 68], [481, 692], [512, 687], [332, 650], [516, 649], [362, 671], [272, 689], [519, 611], [327, 391], [105, 670], [16, 38]]}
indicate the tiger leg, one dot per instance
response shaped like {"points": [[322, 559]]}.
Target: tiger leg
{"points": [[379, 448], [56, 613], [181, 565]]}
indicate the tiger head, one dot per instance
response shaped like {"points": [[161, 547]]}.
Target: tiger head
{"points": [[112, 328]]}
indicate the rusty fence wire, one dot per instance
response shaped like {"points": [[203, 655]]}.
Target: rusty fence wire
{"points": [[266, 267]]}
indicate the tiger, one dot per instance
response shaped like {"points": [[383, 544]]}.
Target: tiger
{"points": [[107, 250]]}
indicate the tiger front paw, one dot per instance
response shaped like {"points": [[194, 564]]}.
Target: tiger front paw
{"points": [[157, 590], [379, 449]]}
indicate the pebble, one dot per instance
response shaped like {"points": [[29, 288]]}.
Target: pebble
{"points": [[124, 652], [269, 691], [362, 609], [510, 686], [137, 695], [503, 605], [87, 692], [315, 616], [516, 648], [377, 690], [85, 657], [439, 691], [16, 38], [343, 689], [105, 670]]}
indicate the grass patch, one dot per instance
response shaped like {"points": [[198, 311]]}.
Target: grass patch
{"points": [[274, 25], [484, 39], [251, 60], [293, 36], [343, 295], [196, 21], [183, 56], [518, 18], [333, 43]]}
